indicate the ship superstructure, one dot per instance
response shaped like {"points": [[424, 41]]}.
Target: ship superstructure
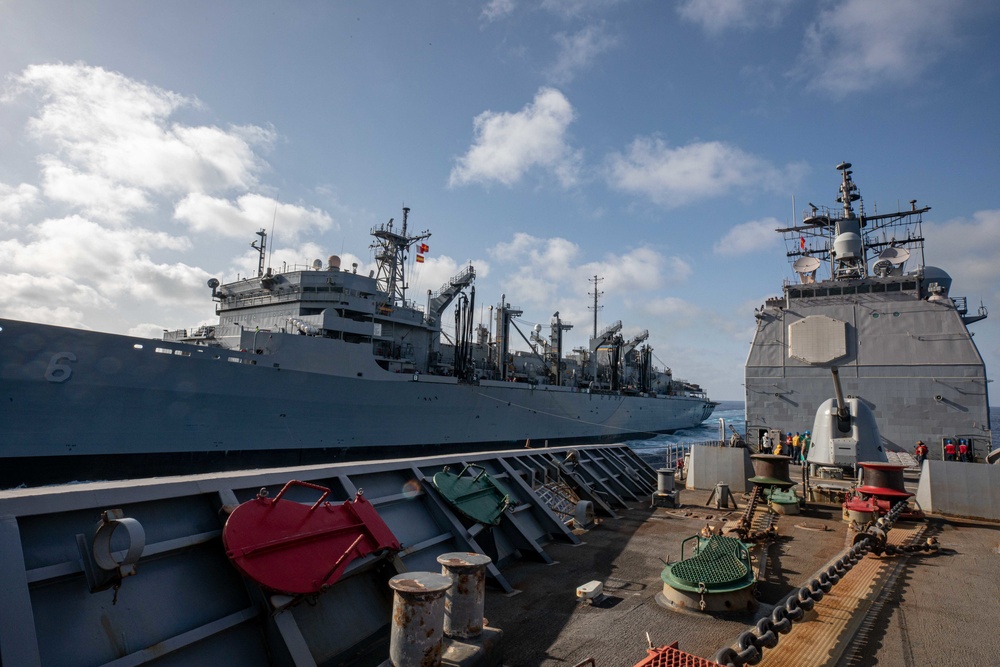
{"points": [[319, 363], [866, 303]]}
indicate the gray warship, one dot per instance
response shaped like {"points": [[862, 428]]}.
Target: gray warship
{"points": [[886, 320], [317, 364]]}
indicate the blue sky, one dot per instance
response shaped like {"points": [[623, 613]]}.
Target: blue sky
{"points": [[653, 144]]}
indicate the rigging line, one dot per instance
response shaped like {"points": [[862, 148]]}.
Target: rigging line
{"points": [[572, 419]]}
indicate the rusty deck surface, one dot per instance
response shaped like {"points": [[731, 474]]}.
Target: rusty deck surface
{"points": [[859, 624]]}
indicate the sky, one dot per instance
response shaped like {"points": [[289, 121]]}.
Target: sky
{"points": [[652, 145]]}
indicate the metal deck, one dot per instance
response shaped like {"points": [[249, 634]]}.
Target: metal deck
{"points": [[187, 604]]}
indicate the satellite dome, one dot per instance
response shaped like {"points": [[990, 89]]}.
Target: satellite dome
{"points": [[933, 274], [847, 246], [333, 262]]}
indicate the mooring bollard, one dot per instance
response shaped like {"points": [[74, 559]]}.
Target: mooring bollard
{"points": [[417, 618], [665, 480], [464, 600]]}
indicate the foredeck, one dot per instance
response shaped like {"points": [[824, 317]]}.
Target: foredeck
{"points": [[187, 603]]}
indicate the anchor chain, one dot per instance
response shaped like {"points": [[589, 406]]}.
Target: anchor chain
{"points": [[742, 528], [766, 633]]}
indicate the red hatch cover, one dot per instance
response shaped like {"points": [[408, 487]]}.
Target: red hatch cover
{"points": [[293, 548], [671, 656]]}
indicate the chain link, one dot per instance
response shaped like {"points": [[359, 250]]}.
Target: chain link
{"points": [[751, 643]]}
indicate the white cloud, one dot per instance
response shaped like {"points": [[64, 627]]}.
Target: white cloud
{"points": [[95, 195], [548, 268], [119, 131], [677, 176], [14, 201], [247, 214], [74, 266], [578, 50], [497, 9], [575, 8], [968, 250], [858, 45], [507, 145], [543, 267], [749, 237], [113, 157], [716, 16], [85, 251]]}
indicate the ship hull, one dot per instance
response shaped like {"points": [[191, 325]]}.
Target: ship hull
{"points": [[81, 400]]}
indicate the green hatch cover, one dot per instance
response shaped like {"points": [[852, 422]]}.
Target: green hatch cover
{"points": [[479, 497], [721, 563]]}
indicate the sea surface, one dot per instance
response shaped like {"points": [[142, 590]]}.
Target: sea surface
{"points": [[664, 450]]}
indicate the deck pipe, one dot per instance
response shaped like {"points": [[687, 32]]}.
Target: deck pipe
{"points": [[415, 639], [464, 599]]}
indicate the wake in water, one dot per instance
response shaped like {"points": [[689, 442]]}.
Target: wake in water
{"points": [[664, 450]]}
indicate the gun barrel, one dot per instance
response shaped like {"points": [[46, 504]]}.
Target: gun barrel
{"points": [[841, 406]]}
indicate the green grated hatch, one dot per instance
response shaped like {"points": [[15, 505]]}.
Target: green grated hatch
{"points": [[719, 564]]}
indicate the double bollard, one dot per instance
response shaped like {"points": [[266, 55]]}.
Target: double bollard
{"points": [[428, 606]]}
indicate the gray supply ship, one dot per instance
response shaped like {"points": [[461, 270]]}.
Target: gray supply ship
{"points": [[881, 316], [319, 364]]}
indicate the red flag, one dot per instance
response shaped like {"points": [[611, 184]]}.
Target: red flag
{"points": [[424, 247], [802, 242], [420, 259]]}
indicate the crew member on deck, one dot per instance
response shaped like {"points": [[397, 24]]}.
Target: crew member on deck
{"points": [[921, 452], [765, 443], [949, 450]]}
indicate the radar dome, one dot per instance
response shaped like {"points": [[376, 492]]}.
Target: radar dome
{"points": [[317, 264], [847, 246], [933, 274], [333, 262]]}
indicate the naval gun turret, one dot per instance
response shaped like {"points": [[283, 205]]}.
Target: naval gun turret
{"points": [[844, 432]]}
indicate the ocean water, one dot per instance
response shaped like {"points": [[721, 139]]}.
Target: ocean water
{"points": [[663, 450]]}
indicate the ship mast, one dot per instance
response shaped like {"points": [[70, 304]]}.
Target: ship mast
{"points": [[848, 247], [391, 249], [261, 250]]}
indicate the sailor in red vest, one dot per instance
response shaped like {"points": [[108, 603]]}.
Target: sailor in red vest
{"points": [[921, 452], [949, 450], [963, 451]]}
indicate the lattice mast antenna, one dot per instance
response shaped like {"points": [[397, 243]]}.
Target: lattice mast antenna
{"points": [[596, 294], [391, 250]]}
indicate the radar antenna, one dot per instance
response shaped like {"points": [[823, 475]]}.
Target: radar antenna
{"points": [[391, 249]]}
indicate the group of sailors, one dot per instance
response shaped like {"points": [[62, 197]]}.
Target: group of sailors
{"points": [[796, 446], [952, 452], [961, 452]]}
